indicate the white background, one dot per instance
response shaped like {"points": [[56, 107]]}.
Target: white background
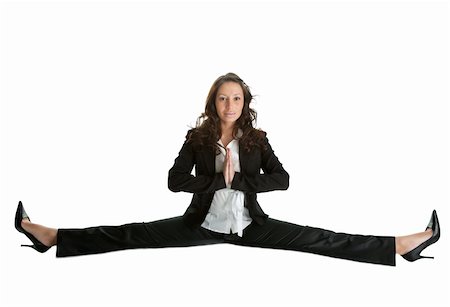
{"points": [[96, 98]]}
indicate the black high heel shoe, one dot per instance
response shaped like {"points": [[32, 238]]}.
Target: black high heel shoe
{"points": [[20, 215], [414, 254]]}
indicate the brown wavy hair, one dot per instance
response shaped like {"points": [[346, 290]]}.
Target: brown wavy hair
{"points": [[208, 130]]}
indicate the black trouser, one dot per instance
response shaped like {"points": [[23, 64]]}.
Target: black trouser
{"points": [[172, 232]]}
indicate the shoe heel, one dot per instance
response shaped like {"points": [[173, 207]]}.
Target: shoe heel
{"points": [[427, 257], [40, 248]]}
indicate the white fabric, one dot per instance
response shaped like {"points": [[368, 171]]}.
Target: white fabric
{"points": [[227, 212]]}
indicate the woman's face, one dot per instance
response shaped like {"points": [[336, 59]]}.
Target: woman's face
{"points": [[229, 102]]}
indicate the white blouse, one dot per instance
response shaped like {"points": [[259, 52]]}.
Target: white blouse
{"points": [[227, 212]]}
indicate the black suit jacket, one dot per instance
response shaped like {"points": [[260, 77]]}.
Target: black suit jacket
{"points": [[206, 181]]}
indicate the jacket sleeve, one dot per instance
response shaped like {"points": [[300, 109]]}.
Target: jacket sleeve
{"points": [[273, 178], [181, 179]]}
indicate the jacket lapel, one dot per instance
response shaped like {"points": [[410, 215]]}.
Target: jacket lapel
{"points": [[209, 159]]}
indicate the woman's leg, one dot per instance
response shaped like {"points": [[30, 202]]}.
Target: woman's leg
{"points": [[404, 244], [283, 235], [45, 235], [171, 232]]}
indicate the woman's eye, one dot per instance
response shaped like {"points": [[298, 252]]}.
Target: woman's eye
{"points": [[237, 98]]}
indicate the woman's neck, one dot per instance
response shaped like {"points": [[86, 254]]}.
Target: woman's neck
{"points": [[227, 130]]}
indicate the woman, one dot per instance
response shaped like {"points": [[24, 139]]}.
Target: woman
{"points": [[228, 154]]}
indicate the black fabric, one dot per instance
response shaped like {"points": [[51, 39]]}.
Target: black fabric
{"points": [[261, 171], [206, 181], [173, 232]]}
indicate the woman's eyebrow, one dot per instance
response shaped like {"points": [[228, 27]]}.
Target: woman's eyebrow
{"points": [[237, 94]]}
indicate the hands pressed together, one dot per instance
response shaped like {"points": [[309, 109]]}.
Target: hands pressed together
{"points": [[228, 168]]}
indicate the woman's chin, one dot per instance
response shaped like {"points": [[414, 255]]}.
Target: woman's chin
{"points": [[229, 120]]}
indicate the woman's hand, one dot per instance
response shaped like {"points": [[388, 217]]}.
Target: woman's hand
{"points": [[228, 169]]}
